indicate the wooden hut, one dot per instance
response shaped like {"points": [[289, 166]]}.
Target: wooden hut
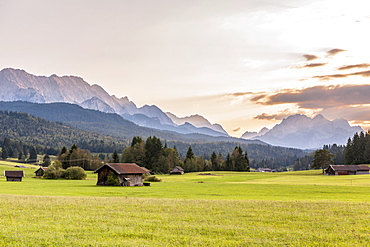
{"points": [[40, 172], [177, 170], [14, 175], [129, 174], [347, 170]]}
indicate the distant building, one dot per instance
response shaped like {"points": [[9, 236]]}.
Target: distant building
{"points": [[40, 172], [129, 174], [263, 170], [347, 170], [14, 175], [177, 170]]}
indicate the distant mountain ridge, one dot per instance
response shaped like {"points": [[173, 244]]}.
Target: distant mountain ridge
{"points": [[303, 132], [18, 85], [108, 123]]}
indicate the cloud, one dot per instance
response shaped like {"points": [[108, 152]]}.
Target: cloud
{"points": [[237, 129], [365, 73], [283, 114], [310, 57], [335, 51], [355, 66], [318, 97], [312, 65], [239, 94]]}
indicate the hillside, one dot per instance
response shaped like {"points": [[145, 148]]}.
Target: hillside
{"points": [[37, 131], [106, 123]]}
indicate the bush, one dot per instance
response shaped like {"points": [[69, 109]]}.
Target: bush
{"points": [[152, 178], [112, 179], [54, 171], [75, 172]]}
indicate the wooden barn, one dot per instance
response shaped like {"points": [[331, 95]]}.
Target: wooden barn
{"points": [[177, 170], [347, 170], [129, 174], [40, 172], [14, 175]]}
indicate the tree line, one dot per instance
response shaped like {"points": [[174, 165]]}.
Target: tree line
{"points": [[159, 158], [357, 150]]}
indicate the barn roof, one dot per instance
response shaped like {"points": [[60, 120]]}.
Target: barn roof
{"points": [[14, 174], [350, 167], [41, 168], [178, 168], [125, 168]]}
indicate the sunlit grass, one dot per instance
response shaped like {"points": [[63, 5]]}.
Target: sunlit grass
{"points": [[121, 221], [222, 209]]}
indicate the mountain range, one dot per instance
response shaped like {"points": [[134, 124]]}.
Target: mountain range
{"points": [[300, 131], [18, 85], [296, 131]]}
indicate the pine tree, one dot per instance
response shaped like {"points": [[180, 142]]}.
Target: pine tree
{"points": [[33, 155], [322, 159], [115, 157], [4, 154], [189, 153]]}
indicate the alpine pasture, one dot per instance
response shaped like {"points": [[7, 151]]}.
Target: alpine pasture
{"points": [[210, 209]]}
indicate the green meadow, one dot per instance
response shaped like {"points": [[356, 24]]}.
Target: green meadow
{"points": [[197, 209]]}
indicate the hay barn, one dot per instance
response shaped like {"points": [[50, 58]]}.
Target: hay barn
{"points": [[177, 170], [40, 172], [14, 175], [129, 174], [347, 170]]}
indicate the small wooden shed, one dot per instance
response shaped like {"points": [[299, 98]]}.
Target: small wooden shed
{"points": [[14, 175], [177, 170], [40, 172], [347, 170], [129, 174]]}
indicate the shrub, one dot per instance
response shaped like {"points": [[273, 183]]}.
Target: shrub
{"points": [[54, 171], [75, 172], [112, 179], [152, 178]]}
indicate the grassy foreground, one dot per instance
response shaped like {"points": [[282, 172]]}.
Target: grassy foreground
{"points": [[222, 209]]}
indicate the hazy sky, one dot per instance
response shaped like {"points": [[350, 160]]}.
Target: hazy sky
{"points": [[241, 63]]}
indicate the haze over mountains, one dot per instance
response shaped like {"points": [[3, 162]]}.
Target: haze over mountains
{"points": [[297, 131]]}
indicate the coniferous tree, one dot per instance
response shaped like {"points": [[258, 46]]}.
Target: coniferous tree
{"points": [[4, 153], [33, 155], [322, 159], [190, 153], [153, 152], [46, 161], [228, 163], [115, 157], [349, 153]]}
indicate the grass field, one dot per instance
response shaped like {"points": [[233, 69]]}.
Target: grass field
{"points": [[222, 209]]}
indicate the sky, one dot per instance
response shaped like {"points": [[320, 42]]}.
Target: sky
{"points": [[244, 64]]}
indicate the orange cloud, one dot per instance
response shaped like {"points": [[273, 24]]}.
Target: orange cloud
{"points": [[310, 57], [312, 65], [335, 51], [318, 97], [365, 73], [283, 114], [360, 66]]}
